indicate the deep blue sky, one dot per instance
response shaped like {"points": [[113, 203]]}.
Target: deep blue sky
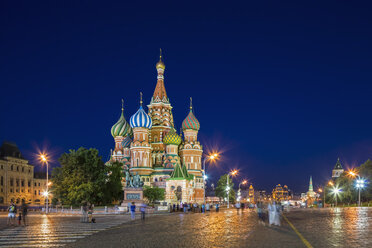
{"points": [[282, 88]]}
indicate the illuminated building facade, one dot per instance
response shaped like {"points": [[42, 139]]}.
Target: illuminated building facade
{"points": [[337, 170], [281, 193], [310, 193], [150, 146], [18, 181], [251, 194]]}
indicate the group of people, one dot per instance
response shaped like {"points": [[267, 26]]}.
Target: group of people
{"points": [[192, 207], [274, 210], [22, 214], [87, 213], [132, 209]]}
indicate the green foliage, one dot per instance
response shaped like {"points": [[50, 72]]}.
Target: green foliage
{"points": [[153, 194], [365, 171], [83, 177], [349, 194], [221, 188]]}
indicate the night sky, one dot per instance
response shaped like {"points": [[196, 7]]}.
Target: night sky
{"points": [[283, 89]]}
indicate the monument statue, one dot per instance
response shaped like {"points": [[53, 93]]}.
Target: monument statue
{"points": [[128, 179], [133, 181], [137, 181]]}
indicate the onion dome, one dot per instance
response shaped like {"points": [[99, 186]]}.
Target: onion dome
{"points": [[172, 138], [121, 127], [140, 118], [160, 64], [190, 121], [126, 142]]}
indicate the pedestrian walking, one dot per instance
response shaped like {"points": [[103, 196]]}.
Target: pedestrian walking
{"points": [[207, 207], [84, 213], [24, 209], [271, 211], [19, 218], [178, 207], [90, 214], [185, 207], [143, 210], [203, 208], [133, 211], [260, 213], [278, 209], [181, 206], [217, 207], [237, 206], [128, 208], [12, 211]]}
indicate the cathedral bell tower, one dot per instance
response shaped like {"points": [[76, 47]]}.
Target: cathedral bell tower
{"points": [[160, 112], [191, 151], [140, 148], [121, 131]]}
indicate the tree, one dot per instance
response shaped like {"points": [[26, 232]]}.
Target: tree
{"points": [[83, 177], [153, 194], [113, 187], [365, 171], [221, 188]]}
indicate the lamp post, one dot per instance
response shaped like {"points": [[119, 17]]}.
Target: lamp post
{"points": [[242, 182], [43, 158], [233, 173], [336, 191], [211, 157], [359, 184]]}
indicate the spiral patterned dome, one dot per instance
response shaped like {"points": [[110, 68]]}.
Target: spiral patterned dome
{"points": [[172, 138], [121, 127], [126, 142], [191, 122], [140, 119]]}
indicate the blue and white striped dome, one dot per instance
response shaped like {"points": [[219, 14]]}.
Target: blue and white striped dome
{"points": [[140, 119]]}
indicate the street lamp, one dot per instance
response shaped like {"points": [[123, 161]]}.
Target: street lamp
{"points": [[44, 159], [359, 183], [210, 157], [239, 194], [232, 173], [336, 191]]}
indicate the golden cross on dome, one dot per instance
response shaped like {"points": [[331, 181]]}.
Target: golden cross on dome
{"points": [[141, 98], [160, 54], [190, 103], [122, 104]]}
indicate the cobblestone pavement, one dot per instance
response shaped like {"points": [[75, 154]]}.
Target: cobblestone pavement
{"points": [[348, 227], [54, 231]]}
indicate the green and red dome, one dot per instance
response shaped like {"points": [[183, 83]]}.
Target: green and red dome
{"points": [[191, 122]]}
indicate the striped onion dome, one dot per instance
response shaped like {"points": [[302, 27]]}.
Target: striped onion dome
{"points": [[140, 119], [126, 142], [121, 127], [172, 138], [191, 122]]}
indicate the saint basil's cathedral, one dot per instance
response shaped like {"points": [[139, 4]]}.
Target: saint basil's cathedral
{"points": [[150, 146]]}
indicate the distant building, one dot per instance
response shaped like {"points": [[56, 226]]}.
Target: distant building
{"points": [[310, 193], [18, 181], [337, 170], [281, 193], [251, 194]]}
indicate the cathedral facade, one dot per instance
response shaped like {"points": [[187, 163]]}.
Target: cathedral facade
{"points": [[150, 146]]}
